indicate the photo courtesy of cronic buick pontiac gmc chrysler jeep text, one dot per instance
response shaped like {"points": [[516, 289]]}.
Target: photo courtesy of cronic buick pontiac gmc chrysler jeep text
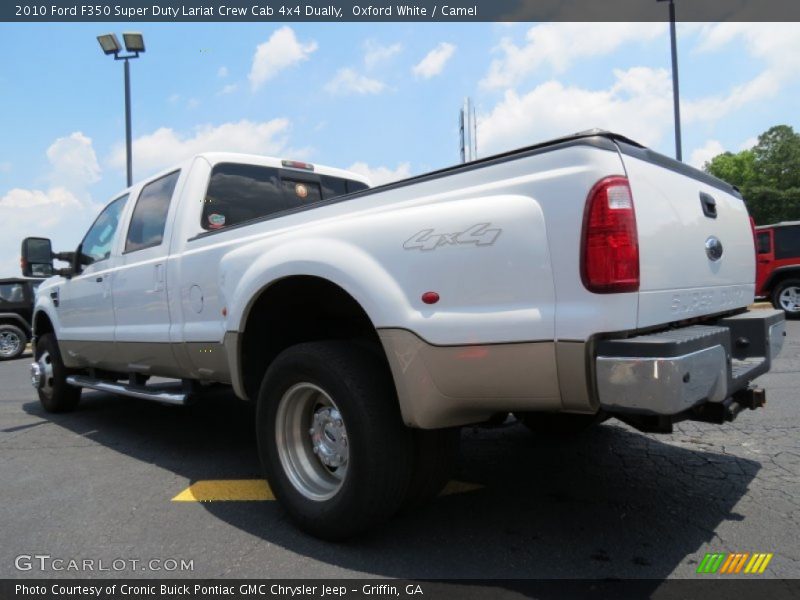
{"points": [[580, 279]]}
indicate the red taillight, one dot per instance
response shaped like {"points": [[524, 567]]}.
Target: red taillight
{"points": [[610, 244]]}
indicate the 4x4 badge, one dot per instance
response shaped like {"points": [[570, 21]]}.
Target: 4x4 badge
{"points": [[480, 235]]}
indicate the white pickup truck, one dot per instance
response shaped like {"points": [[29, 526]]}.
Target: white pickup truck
{"points": [[565, 283]]}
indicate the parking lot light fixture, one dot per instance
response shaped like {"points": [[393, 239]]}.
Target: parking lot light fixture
{"points": [[134, 44], [109, 43]]}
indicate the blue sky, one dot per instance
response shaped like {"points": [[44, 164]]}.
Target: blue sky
{"points": [[382, 99]]}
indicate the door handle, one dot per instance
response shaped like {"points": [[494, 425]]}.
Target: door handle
{"points": [[709, 205], [99, 279]]}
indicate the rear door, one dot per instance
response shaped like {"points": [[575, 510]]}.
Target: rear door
{"points": [[695, 241], [141, 306]]}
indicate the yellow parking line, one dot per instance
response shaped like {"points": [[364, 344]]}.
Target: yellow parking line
{"points": [[216, 490], [244, 490]]}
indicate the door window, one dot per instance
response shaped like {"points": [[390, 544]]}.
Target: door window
{"points": [[11, 292], [149, 218], [762, 241], [96, 245]]}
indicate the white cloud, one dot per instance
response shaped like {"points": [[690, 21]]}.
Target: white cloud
{"points": [[638, 104], [174, 98], [228, 89], [375, 53], [62, 211], [348, 81], [23, 198], [434, 62], [558, 45], [5, 167], [281, 51], [777, 45], [222, 71], [705, 153], [748, 143], [165, 146], [73, 161], [381, 175]]}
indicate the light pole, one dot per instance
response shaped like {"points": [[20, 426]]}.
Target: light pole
{"points": [[134, 44], [675, 90]]}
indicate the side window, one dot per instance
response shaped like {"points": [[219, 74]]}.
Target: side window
{"points": [[787, 242], [762, 243], [239, 193], [11, 292], [149, 217], [96, 245]]}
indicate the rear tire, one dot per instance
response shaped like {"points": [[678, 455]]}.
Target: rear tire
{"points": [[12, 342], [786, 297], [55, 394], [331, 438], [559, 424]]}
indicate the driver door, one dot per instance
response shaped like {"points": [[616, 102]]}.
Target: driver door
{"points": [[85, 307]]}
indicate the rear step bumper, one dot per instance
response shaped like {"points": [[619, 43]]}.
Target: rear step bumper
{"points": [[166, 393], [702, 370]]}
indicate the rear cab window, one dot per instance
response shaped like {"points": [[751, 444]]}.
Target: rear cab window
{"points": [[239, 193]]}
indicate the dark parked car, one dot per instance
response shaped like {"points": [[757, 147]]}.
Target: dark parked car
{"points": [[16, 308]]}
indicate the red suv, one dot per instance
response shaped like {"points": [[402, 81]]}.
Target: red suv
{"points": [[778, 265]]}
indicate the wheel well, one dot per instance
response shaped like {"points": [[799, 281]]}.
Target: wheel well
{"points": [[42, 324], [296, 310]]}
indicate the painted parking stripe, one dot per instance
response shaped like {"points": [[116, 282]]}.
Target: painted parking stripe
{"points": [[257, 490], [221, 490]]}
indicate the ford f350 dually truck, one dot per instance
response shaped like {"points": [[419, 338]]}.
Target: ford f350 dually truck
{"points": [[565, 282]]}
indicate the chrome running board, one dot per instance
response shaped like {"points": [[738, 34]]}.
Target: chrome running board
{"points": [[166, 393]]}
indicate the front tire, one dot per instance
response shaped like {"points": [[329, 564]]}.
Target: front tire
{"points": [[786, 297], [12, 342], [331, 438], [55, 394]]}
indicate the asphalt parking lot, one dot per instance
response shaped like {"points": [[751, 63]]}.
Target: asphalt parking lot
{"points": [[615, 503]]}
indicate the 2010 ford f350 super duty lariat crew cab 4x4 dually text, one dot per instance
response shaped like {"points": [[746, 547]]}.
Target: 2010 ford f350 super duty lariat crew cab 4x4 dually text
{"points": [[567, 282]]}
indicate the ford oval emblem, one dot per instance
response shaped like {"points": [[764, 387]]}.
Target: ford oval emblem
{"points": [[713, 248]]}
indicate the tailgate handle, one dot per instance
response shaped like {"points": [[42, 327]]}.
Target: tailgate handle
{"points": [[709, 205]]}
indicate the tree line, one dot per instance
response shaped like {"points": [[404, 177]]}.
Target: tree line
{"points": [[767, 175]]}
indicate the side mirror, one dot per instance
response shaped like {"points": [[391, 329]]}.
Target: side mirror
{"points": [[37, 257]]}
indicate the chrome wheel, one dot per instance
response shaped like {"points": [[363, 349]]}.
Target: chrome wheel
{"points": [[10, 344], [42, 374], [311, 440], [789, 299]]}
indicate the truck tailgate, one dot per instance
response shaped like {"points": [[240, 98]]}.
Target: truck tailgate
{"points": [[695, 241]]}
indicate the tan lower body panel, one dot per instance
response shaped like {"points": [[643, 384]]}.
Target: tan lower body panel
{"points": [[205, 361], [445, 386]]}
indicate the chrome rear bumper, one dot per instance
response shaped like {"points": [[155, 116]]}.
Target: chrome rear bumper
{"points": [[671, 372]]}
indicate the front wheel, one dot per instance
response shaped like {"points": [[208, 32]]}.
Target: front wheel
{"points": [[786, 297], [49, 376], [331, 438], [12, 342]]}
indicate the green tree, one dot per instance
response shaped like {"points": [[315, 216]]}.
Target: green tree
{"points": [[768, 175]]}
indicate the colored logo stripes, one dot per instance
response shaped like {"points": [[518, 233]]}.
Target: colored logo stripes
{"points": [[734, 563]]}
